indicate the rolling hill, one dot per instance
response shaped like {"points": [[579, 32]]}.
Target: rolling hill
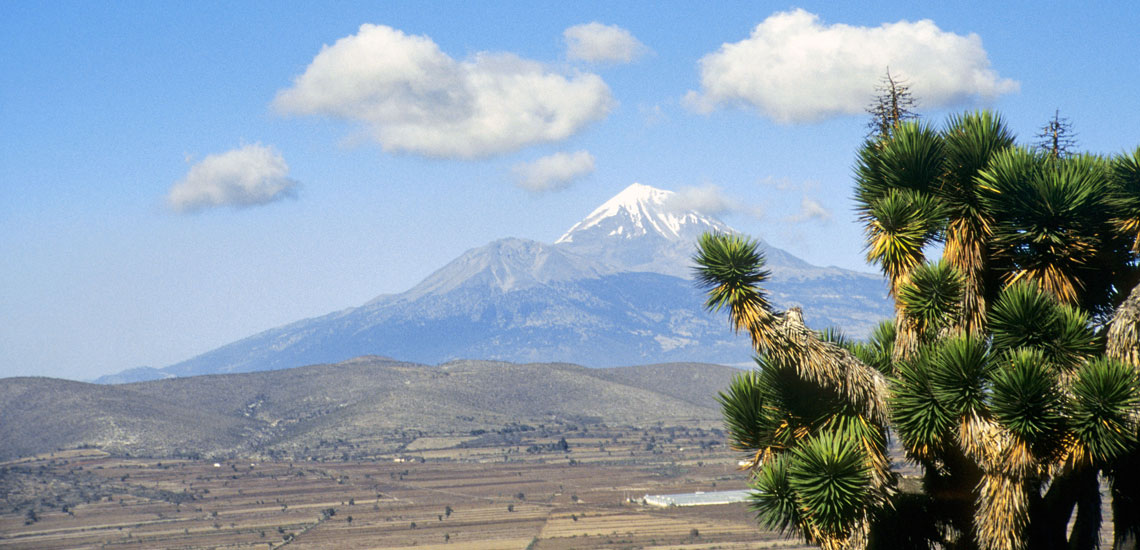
{"points": [[373, 404]]}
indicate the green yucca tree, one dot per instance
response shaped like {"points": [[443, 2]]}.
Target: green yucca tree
{"points": [[1126, 196], [937, 172], [1050, 226], [806, 388], [971, 141], [1009, 375], [895, 200]]}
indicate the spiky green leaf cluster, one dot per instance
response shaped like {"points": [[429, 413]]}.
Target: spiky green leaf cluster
{"points": [[820, 487], [914, 158], [830, 476], [746, 412], [920, 420], [961, 369], [971, 140], [1052, 225], [902, 223], [1105, 400], [773, 498], [879, 348], [932, 298], [1125, 198], [1027, 399], [1026, 317], [768, 409], [731, 268]]}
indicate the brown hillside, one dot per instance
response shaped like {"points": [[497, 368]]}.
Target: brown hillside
{"points": [[363, 406]]}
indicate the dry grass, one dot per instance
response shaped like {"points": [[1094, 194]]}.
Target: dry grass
{"points": [[432, 443]]}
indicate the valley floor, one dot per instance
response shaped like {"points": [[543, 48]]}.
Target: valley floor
{"points": [[439, 492]]}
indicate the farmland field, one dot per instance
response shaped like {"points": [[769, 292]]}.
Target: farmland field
{"points": [[460, 491]]}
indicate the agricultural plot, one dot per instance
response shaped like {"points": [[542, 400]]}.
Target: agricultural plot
{"points": [[441, 492]]}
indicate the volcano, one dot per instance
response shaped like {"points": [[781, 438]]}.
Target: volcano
{"points": [[615, 289]]}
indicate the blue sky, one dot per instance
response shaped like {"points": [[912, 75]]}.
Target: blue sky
{"points": [[178, 176]]}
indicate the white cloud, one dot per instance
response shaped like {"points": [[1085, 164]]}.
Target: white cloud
{"points": [[554, 172], [598, 43], [795, 69], [412, 97], [811, 209], [711, 201], [250, 176]]}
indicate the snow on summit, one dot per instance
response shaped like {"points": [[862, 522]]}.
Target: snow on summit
{"points": [[640, 229], [647, 229], [641, 210]]}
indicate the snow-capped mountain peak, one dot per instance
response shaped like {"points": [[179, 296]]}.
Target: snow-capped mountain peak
{"points": [[641, 210], [612, 291], [642, 228]]}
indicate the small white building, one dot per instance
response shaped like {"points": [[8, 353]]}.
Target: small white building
{"points": [[699, 498]]}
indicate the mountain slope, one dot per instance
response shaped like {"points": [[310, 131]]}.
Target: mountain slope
{"points": [[370, 401], [505, 265], [137, 374], [613, 290], [611, 320]]}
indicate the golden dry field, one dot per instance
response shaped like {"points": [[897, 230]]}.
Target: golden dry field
{"points": [[440, 493]]}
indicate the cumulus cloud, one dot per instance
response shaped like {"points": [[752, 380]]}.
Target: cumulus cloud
{"points": [[795, 69], [598, 43], [414, 98], [710, 200], [811, 210], [250, 176], [554, 172]]}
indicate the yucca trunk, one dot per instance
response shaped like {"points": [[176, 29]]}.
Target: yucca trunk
{"points": [[882, 243], [966, 250], [1002, 513], [1124, 331], [827, 364], [1124, 346], [1124, 481], [1069, 490], [906, 336], [1086, 528], [1003, 495]]}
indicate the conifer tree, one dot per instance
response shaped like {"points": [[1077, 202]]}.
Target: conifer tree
{"points": [[1056, 138], [893, 104]]}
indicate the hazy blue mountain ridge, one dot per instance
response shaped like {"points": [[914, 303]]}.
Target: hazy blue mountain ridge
{"points": [[614, 290]]}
